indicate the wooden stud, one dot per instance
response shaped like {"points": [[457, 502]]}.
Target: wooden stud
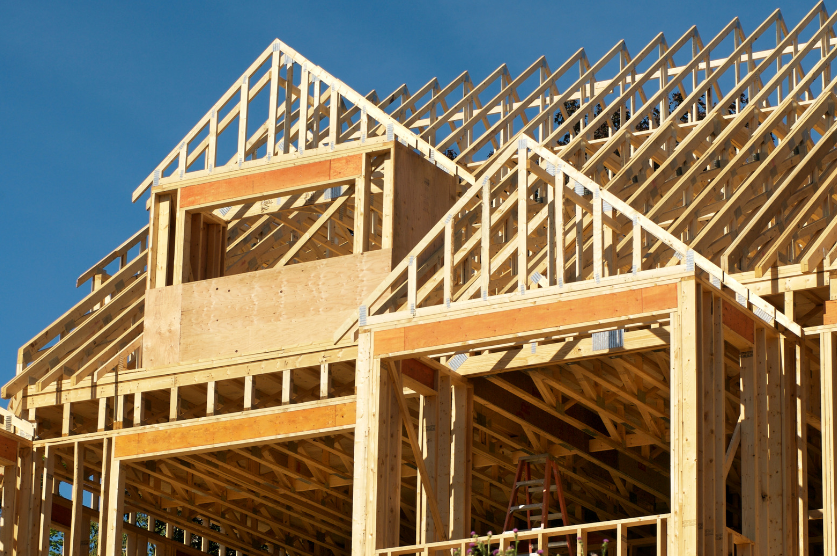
{"points": [[333, 117], [485, 239], [272, 107], [119, 413], [522, 218], [139, 410], [7, 521], [363, 522], [242, 119], [718, 391], [760, 358], [163, 211], [102, 414], [448, 279], [287, 387], [302, 138], [686, 482], [828, 386], [388, 518], [388, 203], [116, 508], [775, 522], [67, 424], [211, 398], [47, 490], [289, 99], [461, 454], [105, 498], [363, 201], [174, 403], [750, 453], [249, 392], [76, 529], [801, 422], [325, 380], [443, 448]]}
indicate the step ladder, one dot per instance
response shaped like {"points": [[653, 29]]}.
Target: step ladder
{"points": [[539, 511]]}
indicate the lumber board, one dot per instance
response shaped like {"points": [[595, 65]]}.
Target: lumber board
{"points": [[236, 188], [294, 421], [561, 313]]}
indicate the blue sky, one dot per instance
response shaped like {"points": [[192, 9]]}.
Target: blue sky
{"points": [[94, 94]]}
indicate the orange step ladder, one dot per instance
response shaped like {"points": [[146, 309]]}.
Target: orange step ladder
{"points": [[550, 483]]}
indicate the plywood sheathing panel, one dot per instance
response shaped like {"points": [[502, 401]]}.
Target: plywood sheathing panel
{"points": [[526, 319], [423, 194], [273, 180], [260, 311], [161, 340]]}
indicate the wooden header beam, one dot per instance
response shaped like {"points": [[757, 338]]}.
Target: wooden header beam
{"points": [[461, 331], [287, 422]]}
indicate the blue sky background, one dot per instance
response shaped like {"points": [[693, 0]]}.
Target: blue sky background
{"points": [[94, 94]]}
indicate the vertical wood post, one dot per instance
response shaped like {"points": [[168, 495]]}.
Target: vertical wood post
{"points": [[47, 489], [750, 490], [760, 362], [443, 449], [363, 199], [174, 403], [388, 520], [249, 392], [801, 408], [116, 506], [428, 439], [522, 216], [7, 517], [485, 238], [211, 398], [828, 378], [139, 410], [388, 204], [287, 386], [76, 525], [272, 106], [462, 430], [104, 510], [325, 380], [686, 407], [776, 525], [719, 370], [158, 269], [38, 481], [24, 502], [103, 414], [364, 493]]}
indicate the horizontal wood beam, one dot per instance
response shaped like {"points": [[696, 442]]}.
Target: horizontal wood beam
{"points": [[238, 188], [294, 421], [418, 377], [458, 331]]}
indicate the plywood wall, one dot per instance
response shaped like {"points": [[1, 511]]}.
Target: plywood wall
{"points": [[258, 311], [423, 194]]}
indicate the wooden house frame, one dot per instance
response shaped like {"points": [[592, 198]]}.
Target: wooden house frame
{"points": [[334, 337]]}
